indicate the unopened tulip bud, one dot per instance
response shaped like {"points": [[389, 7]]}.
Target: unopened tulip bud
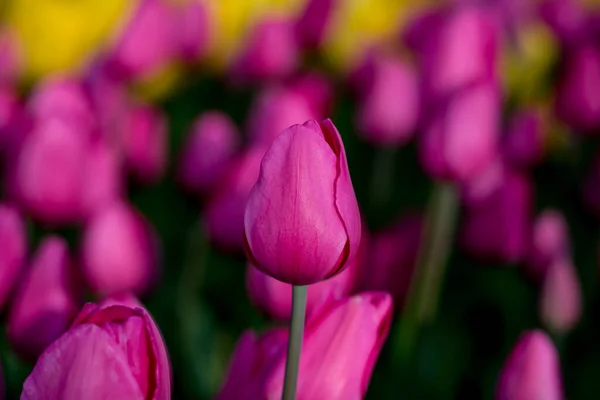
{"points": [[46, 300], [273, 110], [560, 301], [147, 43], [225, 209], [389, 108], [119, 251], [145, 144], [207, 152], [271, 52], [578, 100], [302, 223], [13, 237], [549, 243], [532, 370], [497, 227], [451, 149], [312, 24], [192, 30], [524, 141], [110, 352]]}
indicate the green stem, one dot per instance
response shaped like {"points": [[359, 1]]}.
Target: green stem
{"points": [[429, 274], [381, 179], [292, 364]]}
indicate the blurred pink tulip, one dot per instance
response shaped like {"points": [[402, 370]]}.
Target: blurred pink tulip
{"points": [[271, 52], [274, 110], [549, 243], [451, 149], [302, 222], [339, 352], [10, 108], [316, 89], [485, 183], [46, 301], [147, 43], [389, 109], [532, 370], [568, 19], [561, 300], [225, 208], [192, 30], [119, 251], [312, 24], [13, 237], [110, 352], [207, 151], [524, 141], [145, 144]]}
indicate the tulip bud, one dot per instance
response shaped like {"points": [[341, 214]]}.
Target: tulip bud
{"points": [[485, 183], [119, 251], [302, 223], [532, 370], [225, 209], [312, 24], [524, 141], [49, 171], [207, 151], [271, 52], [578, 101], [549, 243], [389, 110], [46, 300], [339, 351], [560, 302], [192, 30], [392, 258], [272, 111], [13, 237], [451, 149], [145, 144], [117, 351], [497, 227], [275, 297], [147, 43]]}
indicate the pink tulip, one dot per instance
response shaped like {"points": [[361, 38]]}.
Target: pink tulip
{"points": [[208, 149], [316, 89], [389, 108], [147, 43], [110, 352], [549, 243], [339, 351], [275, 109], [532, 370], [302, 223], [225, 208], [145, 144], [524, 141], [119, 251], [485, 183], [271, 52], [10, 108], [392, 258], [192, 30], [13, 237], [451, 149], [560, 302], [311, 26], [568, 19], [46, 300]]}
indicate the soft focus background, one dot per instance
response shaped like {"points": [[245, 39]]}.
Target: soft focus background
{"points": [[133, 77]]}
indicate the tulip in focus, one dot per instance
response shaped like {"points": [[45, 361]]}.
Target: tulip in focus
{"points": [[119, 251], [46, 301], [561, 300], [207, 152], [302, 223], [549, 243], [339, 352], [524, 141], [532, 370], [13, 237], [110, 352]]}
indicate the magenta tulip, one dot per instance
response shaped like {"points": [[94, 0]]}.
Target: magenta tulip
{"points": [[485, 183], [46, 301], [524, 141], [9, 108], [569, 20], [532, 370], [311, 26], [13, 237], [316, 89], [192, 30], [207, 152], [339, 351], [302, 223], [549, 243], [561, 299], [110, 352], [119, 251]]}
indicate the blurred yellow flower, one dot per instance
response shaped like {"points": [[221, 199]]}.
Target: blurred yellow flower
{"points": [[60, 36]]}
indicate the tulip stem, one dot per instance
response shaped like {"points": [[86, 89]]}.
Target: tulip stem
{"points": [[382, 177], [292, 365], [431, 267]]}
